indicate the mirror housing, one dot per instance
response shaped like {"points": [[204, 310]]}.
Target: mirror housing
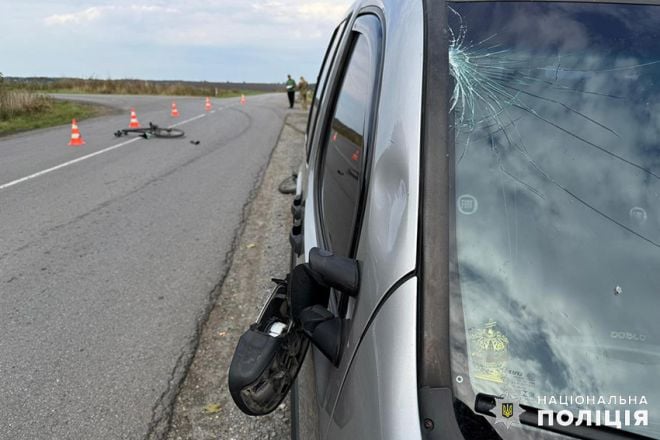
{"points": [[267, 357], [340, 273], [269, 354], [324, 330]]}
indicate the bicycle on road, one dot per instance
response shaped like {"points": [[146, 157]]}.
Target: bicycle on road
{"points": [[152, 131]]}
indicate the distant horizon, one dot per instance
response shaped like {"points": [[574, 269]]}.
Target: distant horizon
{"points": [[38, 77]]}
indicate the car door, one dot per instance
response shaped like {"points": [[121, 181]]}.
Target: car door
{"points": [[339, 171], [304, 414], [380, 230]]}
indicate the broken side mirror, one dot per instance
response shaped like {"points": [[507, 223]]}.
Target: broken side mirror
{"points": [[324, 330], [267, 358], [269, 354], [340, 273], [322, 327]]}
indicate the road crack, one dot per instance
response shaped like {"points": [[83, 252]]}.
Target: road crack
{"points": [[162, 411]]}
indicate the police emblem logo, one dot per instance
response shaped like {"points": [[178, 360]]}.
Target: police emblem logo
{"points": [[507, 410]]}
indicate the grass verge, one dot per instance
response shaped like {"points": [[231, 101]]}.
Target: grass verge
{"points": [[234, 93], [136, 87], [56, 113]]}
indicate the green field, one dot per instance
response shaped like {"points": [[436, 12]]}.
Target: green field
{"points": [[136, 87], [56, 112]]}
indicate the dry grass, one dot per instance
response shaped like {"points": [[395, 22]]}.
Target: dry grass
{"points": [[22, 109], [129, 87], [15, 103]]}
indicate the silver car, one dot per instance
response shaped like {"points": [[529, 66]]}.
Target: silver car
{"points": [[476, 230]]}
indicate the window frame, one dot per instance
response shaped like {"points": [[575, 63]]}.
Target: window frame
{"points": [[375, 35], [435, 209], [326, 64]]}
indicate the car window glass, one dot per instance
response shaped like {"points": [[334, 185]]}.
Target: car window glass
{"points": [[344, 147], [323, 75]]}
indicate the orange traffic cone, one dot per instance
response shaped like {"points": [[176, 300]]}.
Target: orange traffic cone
{"points": [[175, 112], [76, 138], [243, 100], [207, 105], [134, 120]]}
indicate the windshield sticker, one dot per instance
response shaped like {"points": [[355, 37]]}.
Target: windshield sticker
{"points": [[467, 204], [489, 352], [638, 215], [628, 336], [520, 384]]}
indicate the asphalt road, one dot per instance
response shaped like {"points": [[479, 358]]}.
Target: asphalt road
{"points": [[109, 264]]}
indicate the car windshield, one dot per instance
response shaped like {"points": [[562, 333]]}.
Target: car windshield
{"points": [[555, 113]]}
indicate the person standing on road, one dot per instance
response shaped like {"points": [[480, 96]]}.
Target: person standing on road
{"points": [[291, 90], [303, 88]]}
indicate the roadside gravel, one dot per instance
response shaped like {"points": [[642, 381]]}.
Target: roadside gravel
{"points": [[203, 408]]}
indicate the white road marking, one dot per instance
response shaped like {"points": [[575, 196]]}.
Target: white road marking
{"points": [[89, 156], [187, 120], [65, 164]]}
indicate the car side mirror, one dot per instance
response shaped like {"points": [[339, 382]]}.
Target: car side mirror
{"points": [[269, 354], [340, 273], [324, 330], [267, 357]]}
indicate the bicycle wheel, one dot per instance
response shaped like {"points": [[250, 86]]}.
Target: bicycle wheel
{"points": [[127, 131], [168, 132]]}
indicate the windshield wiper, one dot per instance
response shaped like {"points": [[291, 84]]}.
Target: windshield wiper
{"points": [[484, 403]]}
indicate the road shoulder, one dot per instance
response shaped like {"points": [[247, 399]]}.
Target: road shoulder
{"points": [[203, 408]]}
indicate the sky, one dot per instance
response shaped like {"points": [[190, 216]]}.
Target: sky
{"points": [[195, 40]]}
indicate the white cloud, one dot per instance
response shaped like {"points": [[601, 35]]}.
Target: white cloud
{"points": [[323, 10], [242, 39], [296, 10], [266, 23], [89, 14], [95, 12]]}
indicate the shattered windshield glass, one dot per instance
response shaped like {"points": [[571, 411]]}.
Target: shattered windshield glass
{"points": [[555, 112]]}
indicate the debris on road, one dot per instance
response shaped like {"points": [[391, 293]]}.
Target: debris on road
{"points": [[211, 408], [288, 185]]}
